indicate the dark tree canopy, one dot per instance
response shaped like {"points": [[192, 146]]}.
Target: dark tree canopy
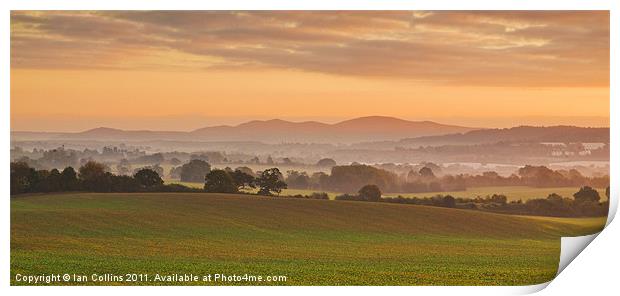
{"points": [[91, 174], [449, 201], [270, 180], [69, 179], [370, 193], [585, 194], [246, 170], [195, 171], [220, 181], [148, 178], [22, 177], [243, 179]]}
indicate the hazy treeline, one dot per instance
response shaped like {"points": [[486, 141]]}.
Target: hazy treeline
{"points": [[93, 177], [352, 177], [584, 203], [125, 160], [504, 152]]}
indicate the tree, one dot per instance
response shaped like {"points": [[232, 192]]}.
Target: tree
{"points": [[426, 172], [22, 177], [156, 168], [69, 180], [92, 176], [370, 193], [220, 181], [296, 179], [195, 171], [586, 193], [319, 180], [148, 178], [326, 162], [246, 170], [52, 183], [243, 179], [449, 201], [270, 180], [349, 178]]}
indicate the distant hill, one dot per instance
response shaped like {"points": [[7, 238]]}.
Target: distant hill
{"points": [[559, 134], [349, 131], [280, 131]]}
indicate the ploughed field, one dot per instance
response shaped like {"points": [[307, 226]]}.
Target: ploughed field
{"points": [[311, 242]]}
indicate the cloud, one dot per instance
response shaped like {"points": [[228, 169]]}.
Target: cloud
{"points": [[531, 48]]}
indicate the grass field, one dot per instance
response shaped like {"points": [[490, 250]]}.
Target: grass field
{"points": [[311, 242]]}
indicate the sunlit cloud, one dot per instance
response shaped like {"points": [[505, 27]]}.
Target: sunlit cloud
{"points": [[471, 48]]}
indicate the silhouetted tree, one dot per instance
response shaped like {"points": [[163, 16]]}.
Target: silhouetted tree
{"points": [[220, 181], [148, 178], [156, 168], [246, 170], [23, 177], [92, 176], [51, 182], [69, 180], [585, 194], [270, 180], [449, 201], [243, 179], [370, 193]]}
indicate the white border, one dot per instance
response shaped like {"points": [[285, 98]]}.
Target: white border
{"points": [[602, 274]]}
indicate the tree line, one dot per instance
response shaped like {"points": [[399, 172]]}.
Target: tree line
{"points": [[349, 178], [585, 202], [94, 177]]}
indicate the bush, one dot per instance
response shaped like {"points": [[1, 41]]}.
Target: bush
{"points": [[370, 193]]}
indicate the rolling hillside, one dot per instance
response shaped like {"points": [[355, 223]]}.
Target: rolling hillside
{"points": [[279, 131], [311, 242], [535, 134]]}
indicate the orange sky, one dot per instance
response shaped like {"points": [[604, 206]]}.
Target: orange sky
{"points": [[72, 71]]}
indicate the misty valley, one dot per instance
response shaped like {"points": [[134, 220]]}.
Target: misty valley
{"points": [[503, 170]]}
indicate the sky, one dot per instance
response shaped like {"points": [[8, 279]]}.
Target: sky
{"points": [[182, 70]]}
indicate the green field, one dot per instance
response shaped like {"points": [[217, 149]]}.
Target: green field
{"points": [[311, 242]]}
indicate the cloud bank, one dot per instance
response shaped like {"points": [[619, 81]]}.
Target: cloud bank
{"points": [[524, 49]]}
